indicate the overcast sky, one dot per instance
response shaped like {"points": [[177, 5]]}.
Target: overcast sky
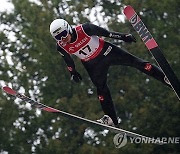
{"points": [[5, 5]]}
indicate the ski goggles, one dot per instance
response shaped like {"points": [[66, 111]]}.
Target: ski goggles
{"points": [[63, 34]]}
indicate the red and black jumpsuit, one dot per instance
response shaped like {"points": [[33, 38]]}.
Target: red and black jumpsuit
{"points": [[97, 55]]}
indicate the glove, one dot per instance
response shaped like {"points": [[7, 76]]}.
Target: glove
{"points": [[76, 76], [128, 38]]}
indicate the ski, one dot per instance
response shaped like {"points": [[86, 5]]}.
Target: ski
{"points": [[153, 47], [46, 108]]}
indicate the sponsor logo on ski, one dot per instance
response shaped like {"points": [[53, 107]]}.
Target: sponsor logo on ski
{"points": [[32, 102], [140, 28], [142, 31]]}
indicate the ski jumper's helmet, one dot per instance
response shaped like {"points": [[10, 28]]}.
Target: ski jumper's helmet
{"points": [[60, 28]]}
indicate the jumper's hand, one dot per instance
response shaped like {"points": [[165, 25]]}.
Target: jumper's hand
{"points": [[75, 76], [129, 38]]}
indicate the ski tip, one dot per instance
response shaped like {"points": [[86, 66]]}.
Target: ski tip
{"points": [[9, 90], [129, 11], [127, 8]]}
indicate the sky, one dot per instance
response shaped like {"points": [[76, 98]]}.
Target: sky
{"points": [[5, 5]]}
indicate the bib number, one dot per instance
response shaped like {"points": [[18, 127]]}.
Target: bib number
{"points": [[85, 50]]}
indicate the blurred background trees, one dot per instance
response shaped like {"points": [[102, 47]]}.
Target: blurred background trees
{"points": [[30, 64]]}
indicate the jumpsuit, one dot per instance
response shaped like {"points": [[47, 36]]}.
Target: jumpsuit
{"points": [[107, 55]]}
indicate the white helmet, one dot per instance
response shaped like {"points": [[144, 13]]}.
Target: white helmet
{"points": [[60, 28]]}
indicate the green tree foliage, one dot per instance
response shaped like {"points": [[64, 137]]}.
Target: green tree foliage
{"points": [[30, 63]]}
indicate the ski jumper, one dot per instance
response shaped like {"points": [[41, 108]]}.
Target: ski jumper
{"points": [[97, 55]]}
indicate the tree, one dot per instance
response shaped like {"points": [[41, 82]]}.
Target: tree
{"points": [[34, 67]]}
